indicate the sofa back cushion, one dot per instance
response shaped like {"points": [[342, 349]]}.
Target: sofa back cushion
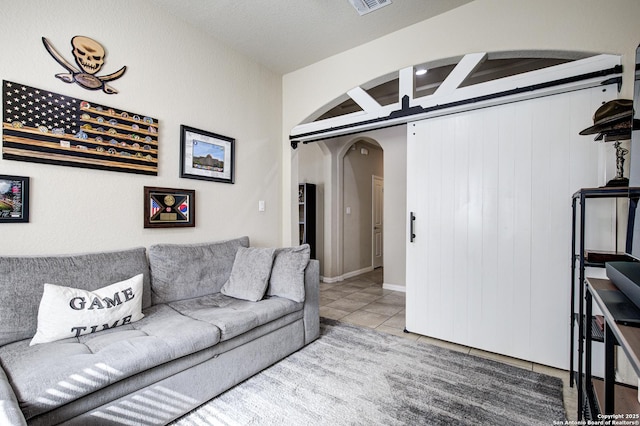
{"points": [[184, 271], [22, 282]]}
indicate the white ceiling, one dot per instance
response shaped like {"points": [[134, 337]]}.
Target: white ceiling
{"points": [[285, 35]]}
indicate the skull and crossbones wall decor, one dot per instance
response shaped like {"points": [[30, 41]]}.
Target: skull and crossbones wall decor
{"points": [[90, 57]]}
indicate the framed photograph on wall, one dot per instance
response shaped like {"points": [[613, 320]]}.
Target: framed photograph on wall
{"points": [[14, 199], [205, 155], [169, 208]]}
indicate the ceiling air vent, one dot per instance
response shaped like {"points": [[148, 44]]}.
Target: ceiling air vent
{"points": [[365, 6]]}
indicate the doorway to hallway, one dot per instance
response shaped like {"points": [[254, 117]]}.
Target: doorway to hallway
{"points": [[348, 173], [377, 209]]}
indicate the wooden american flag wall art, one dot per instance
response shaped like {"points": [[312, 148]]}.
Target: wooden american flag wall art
{"points": [[45, 127]]}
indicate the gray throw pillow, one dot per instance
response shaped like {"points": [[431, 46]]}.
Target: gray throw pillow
{"points": [[287, 275], [250, 273]]}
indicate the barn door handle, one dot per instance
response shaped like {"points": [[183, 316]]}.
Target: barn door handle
{"points": [[412, 219]]}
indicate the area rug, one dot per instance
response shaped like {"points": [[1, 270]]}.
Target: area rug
{"points": [[358, 376]]}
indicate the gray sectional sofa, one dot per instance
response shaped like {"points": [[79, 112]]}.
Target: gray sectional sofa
{"points": [[193, 343]]}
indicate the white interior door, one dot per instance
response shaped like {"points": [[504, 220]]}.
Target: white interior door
{"points": [[491, 193], [377, 214]]}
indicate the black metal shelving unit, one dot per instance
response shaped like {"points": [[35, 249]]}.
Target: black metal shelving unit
{"points": [[580, 259], [307, 215]]}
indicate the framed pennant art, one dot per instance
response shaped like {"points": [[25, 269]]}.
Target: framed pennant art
{"points": [[169, 208], [45, 127]]}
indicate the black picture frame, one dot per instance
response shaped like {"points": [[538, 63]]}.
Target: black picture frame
{"points": [[169, 207], [14, 199], [206, 155]]}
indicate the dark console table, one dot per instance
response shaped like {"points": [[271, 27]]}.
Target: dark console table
{"points": [[611, 397]]}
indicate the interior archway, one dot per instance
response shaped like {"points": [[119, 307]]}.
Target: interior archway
{"points": [[455, 84], [455, 93], [362, 159], [342, 169]]}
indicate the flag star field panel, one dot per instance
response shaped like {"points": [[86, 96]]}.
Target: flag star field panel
{"points": [[45, 127]]}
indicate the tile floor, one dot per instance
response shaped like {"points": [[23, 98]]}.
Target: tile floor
{"points": [[362, 301]]}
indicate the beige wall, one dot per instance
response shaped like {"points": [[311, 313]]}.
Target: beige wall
{"points": [[175, 74], [322, 164], [181, 76], [480, 26], [312, 165], [358, 170]]}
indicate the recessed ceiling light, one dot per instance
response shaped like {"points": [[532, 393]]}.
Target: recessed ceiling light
{"points": [[421, 71]]}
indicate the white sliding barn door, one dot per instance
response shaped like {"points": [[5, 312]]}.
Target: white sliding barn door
{"points": [[491, 193]]}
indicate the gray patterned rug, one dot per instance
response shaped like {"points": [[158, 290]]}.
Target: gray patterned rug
{"points": [[358, 376]]}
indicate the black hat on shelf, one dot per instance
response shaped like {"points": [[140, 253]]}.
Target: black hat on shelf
{"points": [[612, 121], [618, 132]]}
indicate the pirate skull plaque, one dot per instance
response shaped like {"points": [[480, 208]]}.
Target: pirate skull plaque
{"points": [[89, 56]]}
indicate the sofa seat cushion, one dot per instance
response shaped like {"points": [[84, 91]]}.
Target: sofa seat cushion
{"points": [[48, 375], [234, 316]]}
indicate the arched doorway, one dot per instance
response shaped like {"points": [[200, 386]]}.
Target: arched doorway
{"points": [[362, 162], [343, 171]]}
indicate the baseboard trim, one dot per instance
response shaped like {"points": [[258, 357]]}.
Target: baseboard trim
{"points": [[331, 280], [358, 272], [394, 287]]}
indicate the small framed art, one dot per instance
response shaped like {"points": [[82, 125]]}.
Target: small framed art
{"points": [[14, 199], [206, 156], [169, 208]]}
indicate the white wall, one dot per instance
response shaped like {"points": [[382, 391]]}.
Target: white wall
{"points": [[480, 26], [175, 74]]}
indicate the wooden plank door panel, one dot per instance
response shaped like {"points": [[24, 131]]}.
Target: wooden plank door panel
{"points": [[491, 192]]}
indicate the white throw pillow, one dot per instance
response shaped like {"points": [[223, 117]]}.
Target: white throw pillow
{"points": [[70, 312]]}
